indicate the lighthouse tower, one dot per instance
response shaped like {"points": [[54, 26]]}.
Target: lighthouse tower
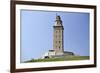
{"points": [[58, 29], [58, 41]]}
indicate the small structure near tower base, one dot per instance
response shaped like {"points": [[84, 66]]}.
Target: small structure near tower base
{"points": [[51, 54]]}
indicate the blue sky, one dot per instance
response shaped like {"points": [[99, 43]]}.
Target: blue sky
{"points": [[37, 32]]}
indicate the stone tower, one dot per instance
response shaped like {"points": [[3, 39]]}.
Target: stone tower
{"points": [[58, 45]]}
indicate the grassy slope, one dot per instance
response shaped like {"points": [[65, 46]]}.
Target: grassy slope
{"points": [[66, 58]]}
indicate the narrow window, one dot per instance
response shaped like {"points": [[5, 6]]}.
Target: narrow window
{"points": [[59, 41], [56, 31], [59, 47]]}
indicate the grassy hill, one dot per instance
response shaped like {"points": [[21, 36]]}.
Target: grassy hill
{"points": [[65, 58]]}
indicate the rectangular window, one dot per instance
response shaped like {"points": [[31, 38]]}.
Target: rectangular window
{"points": [[59, 47], [59, 41], [56, 31]]}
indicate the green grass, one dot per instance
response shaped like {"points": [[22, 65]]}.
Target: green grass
{"points": [[65, 58]]}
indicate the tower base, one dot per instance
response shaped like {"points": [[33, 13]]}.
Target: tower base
{"points": [[53, 54]]}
